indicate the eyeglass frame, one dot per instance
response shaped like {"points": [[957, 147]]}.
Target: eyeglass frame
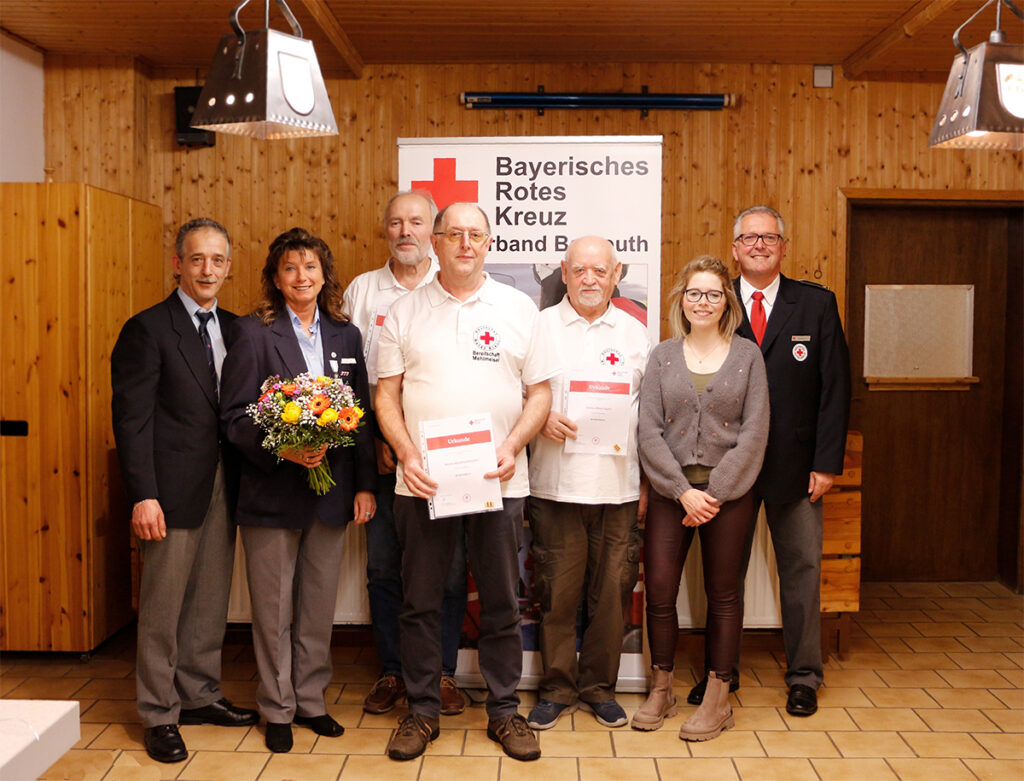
{"points": [[455, 235], [762, 237], [705, 294]]}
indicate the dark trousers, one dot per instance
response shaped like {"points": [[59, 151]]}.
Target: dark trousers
{"points": [[384, 587], [723, 542], [797, 529], [492, 546], [580, 551]]}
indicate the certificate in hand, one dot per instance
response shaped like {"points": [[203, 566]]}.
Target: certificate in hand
{"points": [[457, 453], [598, 402]]}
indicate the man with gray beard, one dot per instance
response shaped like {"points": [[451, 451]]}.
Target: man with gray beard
{"points": [[408, 222]]}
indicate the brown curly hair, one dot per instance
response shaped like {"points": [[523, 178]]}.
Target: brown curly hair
{"points": [[299, 240]]}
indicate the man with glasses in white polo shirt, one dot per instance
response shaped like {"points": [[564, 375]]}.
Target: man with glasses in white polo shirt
{"points": [[462, 344]]}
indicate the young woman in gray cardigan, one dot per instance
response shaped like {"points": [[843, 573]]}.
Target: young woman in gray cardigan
{"points": [[702, 435]]}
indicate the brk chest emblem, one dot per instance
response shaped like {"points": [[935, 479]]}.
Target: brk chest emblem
{"points": [[613, 358], [486, 341], [800, 351]]}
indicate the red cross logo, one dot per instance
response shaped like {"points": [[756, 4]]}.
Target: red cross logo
{"points": [[611, 356], [487, 338], [445, 188]]}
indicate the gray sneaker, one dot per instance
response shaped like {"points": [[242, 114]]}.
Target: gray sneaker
{"points": [[515, 737], [412, 736], [545, 714]]}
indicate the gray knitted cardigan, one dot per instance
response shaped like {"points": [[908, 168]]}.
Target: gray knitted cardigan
{"points": [[726, 427]]}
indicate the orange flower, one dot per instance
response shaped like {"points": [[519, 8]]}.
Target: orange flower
{"points": [[319, 403], [348, 419], [289, 389]]}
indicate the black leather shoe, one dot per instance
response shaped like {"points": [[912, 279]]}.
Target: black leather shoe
{"points": [[321, 725], [222, 713], [696, 695], [802, 701], [279, 737], [164, 743]]}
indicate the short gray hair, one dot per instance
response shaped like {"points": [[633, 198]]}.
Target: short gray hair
{"points": [[439, 219], [420, 193], [199, 223], [759, 209]]}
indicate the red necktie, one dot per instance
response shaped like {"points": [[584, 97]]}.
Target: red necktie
{"points": [[758, 322]]}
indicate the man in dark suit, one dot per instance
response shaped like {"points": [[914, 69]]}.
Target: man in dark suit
{"points": [[797, 325], [164, 373]]}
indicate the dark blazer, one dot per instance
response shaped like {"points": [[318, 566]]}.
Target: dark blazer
{"points": [[810, 398], [165, 412], [274, 493]]}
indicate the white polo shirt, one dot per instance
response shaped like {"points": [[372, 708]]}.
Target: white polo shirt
{"points": [[615, 339], [367, 301], [465, 357]]}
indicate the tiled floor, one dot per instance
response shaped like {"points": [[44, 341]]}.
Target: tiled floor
{"points": [[933, 688]]}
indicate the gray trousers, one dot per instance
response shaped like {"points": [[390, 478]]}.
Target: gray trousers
{"points": [[797, 530], [293, 585], [183, 608], [577, 545], [492, 546]]}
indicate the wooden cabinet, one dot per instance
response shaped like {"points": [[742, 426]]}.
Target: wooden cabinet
{"points": [[77, 262]]}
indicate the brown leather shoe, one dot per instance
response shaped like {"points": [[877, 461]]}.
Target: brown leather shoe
{"points": [[387, 692], [452, 700], [412, 736], [515, 737]]}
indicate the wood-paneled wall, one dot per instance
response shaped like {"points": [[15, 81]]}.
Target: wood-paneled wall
{"points": [[69, 255], [111, 124]]}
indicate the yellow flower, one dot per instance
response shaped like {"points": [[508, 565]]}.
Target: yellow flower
{"points": [[292, 412], [358, 411], [327, 417], [323, 381]]}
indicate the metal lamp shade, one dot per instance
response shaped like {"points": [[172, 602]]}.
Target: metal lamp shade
{"points": [[989, 111], [275, 91]]}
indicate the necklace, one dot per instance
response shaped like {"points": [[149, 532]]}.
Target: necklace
{"points": [[701, 358]]}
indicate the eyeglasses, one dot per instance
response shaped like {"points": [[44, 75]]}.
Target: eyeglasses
{"points": [[454, 235], [750, 239], [693, 295]]}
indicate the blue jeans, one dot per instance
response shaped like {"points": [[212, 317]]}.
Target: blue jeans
{"points": [[384, 587]]}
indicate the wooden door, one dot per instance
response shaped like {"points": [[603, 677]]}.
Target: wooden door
{"points": [[935, 462]]}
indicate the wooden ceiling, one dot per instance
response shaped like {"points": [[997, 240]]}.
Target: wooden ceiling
{"points": [[902, 39]]}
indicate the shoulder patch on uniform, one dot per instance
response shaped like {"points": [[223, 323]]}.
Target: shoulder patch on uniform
{"points": [[809, 283]]}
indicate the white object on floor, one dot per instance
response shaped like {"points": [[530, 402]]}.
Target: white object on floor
{"points": [[34, 734]]}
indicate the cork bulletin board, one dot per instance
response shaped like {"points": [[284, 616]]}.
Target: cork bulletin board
{"points": [[918, 335]]}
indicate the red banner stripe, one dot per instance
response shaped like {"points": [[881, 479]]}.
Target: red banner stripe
{"points": [[588, 386], [458, 440]]}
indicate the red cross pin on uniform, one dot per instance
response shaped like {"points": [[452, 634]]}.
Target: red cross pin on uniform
{"points": [[800, 351], [612, 357], [486, 338]]}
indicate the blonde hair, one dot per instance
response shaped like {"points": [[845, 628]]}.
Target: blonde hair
{"points": [[732, 317]]}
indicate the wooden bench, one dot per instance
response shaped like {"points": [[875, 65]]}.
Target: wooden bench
{"points": [[840, 562]]}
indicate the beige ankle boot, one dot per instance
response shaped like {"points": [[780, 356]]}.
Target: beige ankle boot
{"points": [[660, 703], [714, 713]]}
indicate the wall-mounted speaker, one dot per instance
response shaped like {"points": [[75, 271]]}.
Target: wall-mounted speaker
{"points": [[185, 99]]}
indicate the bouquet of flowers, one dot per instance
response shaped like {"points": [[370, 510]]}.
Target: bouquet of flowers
{"points": [[307, 412]]}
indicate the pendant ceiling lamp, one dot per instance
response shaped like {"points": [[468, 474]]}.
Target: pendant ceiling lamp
{"points": [[983, 105], [265, 84]]}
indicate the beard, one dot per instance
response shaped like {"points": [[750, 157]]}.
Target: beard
{"points": [[408, 254]]}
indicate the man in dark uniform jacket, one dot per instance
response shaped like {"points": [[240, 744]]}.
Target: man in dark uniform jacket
{"points": [[798, 328], [165, 372]]}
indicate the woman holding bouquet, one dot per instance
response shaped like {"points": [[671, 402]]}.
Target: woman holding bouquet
{"points": [[293, 536], [702, 433]]}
